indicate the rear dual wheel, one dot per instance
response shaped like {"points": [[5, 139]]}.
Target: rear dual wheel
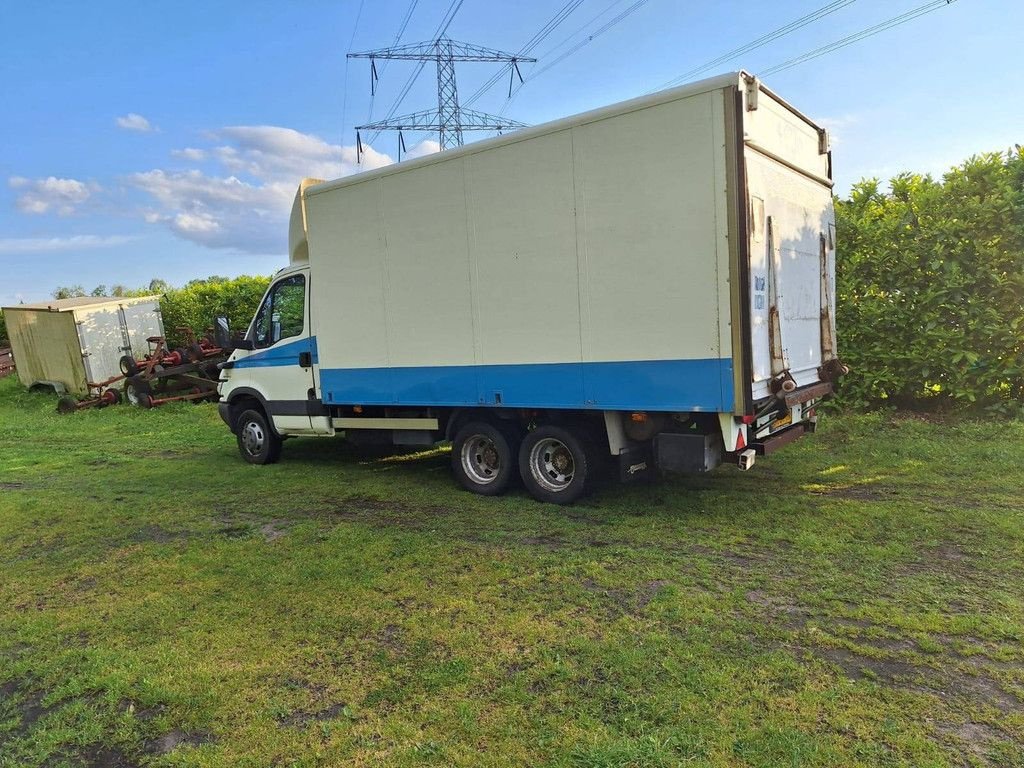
{"points": [[554, 463], [483, 457]]}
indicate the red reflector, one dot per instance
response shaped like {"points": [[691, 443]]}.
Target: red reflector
{"points": [[641, 417], [747, 419], [740, 442]]}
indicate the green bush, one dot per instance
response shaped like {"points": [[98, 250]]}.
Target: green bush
{"points": [[196, 304], [4, 342], [930, 288]]}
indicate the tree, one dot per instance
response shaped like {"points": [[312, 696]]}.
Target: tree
{"points": [[69, 292]]}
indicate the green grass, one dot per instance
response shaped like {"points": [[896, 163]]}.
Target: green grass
{"points": [[854, 600]]}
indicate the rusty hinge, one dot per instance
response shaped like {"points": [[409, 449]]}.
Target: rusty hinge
{"points": [[753, 88]]}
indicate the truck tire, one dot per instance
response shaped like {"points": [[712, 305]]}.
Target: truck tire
{"points": [[555, 464], [257, 441], [482, 458]]}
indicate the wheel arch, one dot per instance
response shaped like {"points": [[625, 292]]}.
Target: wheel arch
{"points": [[243, 398]]}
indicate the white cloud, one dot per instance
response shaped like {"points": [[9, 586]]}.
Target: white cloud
{"points": [[247, 207], [50, 244], [134, 122], [190, 153], [425, 147], [836, 127], [61, 196]]}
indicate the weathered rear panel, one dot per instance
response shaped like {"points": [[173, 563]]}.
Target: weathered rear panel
{"points": [[46, 347], [583, 264], [791, 242]]}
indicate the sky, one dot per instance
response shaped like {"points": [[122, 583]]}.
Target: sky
{"points": [[166, 140]]}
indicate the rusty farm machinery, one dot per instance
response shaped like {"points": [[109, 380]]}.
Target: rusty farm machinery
{"points": [[164, 375]]}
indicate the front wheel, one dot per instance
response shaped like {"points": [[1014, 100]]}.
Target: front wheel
{"points": [[555, 464], [482, 458], [256, 440]]}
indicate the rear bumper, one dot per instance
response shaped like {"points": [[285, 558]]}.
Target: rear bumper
{"points": [[779, 439]]}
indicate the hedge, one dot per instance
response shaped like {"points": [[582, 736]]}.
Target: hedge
{"points": [[930, 289], [196, 304]]}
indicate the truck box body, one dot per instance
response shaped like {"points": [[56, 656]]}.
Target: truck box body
{"points": [[653, 280], [595, 262], [74, 342]]}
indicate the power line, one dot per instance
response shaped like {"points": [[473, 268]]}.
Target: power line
{"points": [[442, 27], [589, 38], [563, 13], [344, 96], [592, 36], [770, 37], [398, 36], [895, 21], [448, 18]]}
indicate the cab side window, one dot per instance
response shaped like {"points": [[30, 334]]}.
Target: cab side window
{"points": [[282, 314]]}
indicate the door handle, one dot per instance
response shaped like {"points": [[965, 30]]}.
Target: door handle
{"points": [[305, 359]]}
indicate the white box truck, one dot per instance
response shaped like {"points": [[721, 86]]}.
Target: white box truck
{"points": [[650, 283]]}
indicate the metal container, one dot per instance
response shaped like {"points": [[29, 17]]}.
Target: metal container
{"points": [[72, 343]]}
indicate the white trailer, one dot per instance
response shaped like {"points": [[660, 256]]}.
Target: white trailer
{"points": [[651, 281], [69, 344]]}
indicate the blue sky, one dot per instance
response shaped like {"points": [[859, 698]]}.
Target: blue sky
{"points": [[143, 140]]}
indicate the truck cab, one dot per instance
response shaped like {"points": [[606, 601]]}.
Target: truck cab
{"points": [[270, 375]]}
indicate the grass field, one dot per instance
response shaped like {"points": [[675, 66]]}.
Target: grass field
{"points": [[854, 600]]}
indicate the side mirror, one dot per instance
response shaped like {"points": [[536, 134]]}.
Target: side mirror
{"points": [[222, 335], [222, 331]]}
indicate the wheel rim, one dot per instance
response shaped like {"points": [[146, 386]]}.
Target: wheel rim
{"points": [[132, 394], [253, 438], [552, 464], [480, 459]]}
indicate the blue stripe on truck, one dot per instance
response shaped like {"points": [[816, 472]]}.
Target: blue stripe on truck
{"points": [[280, 354], [655, 385]]}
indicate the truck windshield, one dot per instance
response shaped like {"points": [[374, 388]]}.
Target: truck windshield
{"points": [[282, 314]]}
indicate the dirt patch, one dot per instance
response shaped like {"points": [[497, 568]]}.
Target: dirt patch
{"points": [[550, 543], [860, 493], [102, 756], [627, 601], [858, 667], [29, 710], [387, 514], [301, 717], [11, 486], [391, 638], [780, 609], [157, 534], [274, 530], [176, 738], [946, 680], [974, 741]]}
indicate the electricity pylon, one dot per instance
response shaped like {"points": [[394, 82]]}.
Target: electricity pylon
{"points": [[450, 120]]}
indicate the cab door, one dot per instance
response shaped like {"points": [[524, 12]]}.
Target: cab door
{"points": [[281, 362]]}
